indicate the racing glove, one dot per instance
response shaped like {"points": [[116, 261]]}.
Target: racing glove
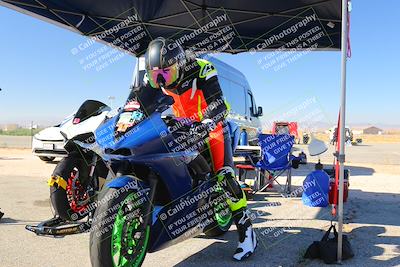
{"points": [[209, 125]]}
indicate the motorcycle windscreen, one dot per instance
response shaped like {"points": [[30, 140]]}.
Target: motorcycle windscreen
{"points": [[88, 109]]}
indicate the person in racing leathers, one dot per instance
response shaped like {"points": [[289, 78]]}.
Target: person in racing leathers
{"points": [[193, 84]]}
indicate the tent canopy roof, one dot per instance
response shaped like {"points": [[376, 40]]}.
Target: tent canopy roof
{"points": [[218, 25]]}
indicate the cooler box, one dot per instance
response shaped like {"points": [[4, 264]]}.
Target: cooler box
{"points": [[331, 173]]}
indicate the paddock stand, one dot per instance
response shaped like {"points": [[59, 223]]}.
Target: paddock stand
{"points": [[57, 227]]}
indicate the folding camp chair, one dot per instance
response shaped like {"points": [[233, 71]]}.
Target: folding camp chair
{"points": [[276, 159]]}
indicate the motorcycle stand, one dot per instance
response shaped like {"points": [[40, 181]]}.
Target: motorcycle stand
{"points": [[57, 227]]}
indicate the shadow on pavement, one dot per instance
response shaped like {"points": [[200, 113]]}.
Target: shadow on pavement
{"points": [[285, 246], [370, 243], [277, 246], [373, 208], [8, 220], [54, 162], [282, 244], [11, 221], [354, 170]]}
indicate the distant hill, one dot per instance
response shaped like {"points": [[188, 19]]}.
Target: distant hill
{"points": [[20, 132], [379, 125], [321, 126]]}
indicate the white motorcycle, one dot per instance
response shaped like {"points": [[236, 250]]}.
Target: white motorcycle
{"points": [[49, 143], [79, 175]]}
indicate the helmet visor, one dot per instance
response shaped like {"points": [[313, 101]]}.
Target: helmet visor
{"points": [[168, 76]]}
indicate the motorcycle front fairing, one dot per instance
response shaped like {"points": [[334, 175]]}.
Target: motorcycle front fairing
{"points": [[150, 144], [181, 219], [137, 139]]}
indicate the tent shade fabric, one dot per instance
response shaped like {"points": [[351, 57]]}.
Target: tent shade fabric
{"points": [[200, 25]]}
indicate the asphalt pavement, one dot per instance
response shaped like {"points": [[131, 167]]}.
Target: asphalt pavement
{"points": [[285, 227]]}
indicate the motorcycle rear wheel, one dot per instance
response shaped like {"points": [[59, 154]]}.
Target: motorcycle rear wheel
{"points": [[68, 169], [222, 219]]}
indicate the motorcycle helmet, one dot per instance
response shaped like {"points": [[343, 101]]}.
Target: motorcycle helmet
{"points": [[165, 62]]}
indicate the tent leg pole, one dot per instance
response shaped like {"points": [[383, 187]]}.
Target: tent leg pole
{"points": [[341, 156]]}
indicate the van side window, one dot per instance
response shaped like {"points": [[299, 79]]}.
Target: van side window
{"points": [[234, 94]]}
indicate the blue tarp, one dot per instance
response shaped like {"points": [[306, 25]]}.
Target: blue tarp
{"points": [[316, 189]]}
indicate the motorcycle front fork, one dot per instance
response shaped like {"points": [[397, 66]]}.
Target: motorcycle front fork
{"points": [[153, 180], [91, 172]]}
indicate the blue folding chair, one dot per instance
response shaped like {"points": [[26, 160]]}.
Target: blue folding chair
{"points": [[276, 158]]}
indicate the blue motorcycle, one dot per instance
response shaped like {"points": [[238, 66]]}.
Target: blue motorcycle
{"points": [[163, 192]]}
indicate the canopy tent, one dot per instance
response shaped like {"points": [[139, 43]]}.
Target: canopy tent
{"points": [[207, 26], [252, 21]]}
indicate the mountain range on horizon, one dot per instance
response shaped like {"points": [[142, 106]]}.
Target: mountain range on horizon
{"points": [[316, 125]]}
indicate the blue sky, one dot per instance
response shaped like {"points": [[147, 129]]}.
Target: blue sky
{"points": [[43, 81]]}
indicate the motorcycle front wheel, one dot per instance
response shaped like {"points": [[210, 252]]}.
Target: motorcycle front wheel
{"points": [[119, 236]]}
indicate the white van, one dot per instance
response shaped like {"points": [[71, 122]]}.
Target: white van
{"points": [[244, 113]]}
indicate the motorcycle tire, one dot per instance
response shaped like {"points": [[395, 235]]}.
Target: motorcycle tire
{"points": [[118, 236], [58, 194], [221, 221]]}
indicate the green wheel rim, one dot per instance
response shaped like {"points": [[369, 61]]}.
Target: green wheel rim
{"points": [[223, 215], [127, 237]]}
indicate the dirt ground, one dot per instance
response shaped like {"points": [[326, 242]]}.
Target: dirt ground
{"points": [[285, 227], [391, 137]]}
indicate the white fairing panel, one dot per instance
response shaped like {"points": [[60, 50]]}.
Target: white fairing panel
{"points": [[86, 126]]}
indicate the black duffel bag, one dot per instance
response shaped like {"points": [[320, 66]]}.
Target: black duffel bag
{"points": [[326, 249]]}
